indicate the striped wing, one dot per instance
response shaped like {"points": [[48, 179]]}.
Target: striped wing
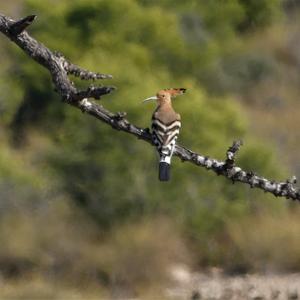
{"points": [[165, 136]]}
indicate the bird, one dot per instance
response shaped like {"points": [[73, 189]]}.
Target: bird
{"points": [[166, 124]]}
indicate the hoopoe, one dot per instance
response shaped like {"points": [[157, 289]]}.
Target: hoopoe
{"points": [[165, 128]]}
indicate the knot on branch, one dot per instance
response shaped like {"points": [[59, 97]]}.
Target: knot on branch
{"points": [[93, 92], [62, 61], [146, 134], [147, 131], [287, 188], [251, 178], [19, 26], [85, 105], [118, 121], [120, 115], [237, 175]]}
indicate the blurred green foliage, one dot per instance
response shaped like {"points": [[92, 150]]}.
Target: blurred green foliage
{"points": [[146, 46]]}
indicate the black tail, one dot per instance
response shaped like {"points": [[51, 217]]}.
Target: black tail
{"points": [[164, 171]]}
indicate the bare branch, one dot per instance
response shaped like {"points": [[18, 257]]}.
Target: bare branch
{"points": [[284, 189], [93, 92], [85, 74], [59, 69], [232, 151], [80, 72]]}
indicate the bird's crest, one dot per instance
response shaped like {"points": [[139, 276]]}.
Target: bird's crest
{"points": [[175, 91]]}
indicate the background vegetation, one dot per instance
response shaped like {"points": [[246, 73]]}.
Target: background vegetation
{"points": [[81, 208]]}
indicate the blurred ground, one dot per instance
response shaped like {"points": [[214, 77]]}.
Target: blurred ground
{"points": [[183, 285], [252, 286]]}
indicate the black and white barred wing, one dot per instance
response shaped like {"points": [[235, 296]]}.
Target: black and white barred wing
{"points": [[164, 137]]}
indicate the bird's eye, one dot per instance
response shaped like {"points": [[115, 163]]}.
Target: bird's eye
{"points": [[163, 96]]}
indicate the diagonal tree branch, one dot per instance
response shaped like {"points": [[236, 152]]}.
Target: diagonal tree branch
{"points": [[59, 69]]}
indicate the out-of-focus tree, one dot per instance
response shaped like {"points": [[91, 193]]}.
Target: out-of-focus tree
{"points": [[146, 47]]}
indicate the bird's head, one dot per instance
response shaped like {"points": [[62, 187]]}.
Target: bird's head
{"points": [[165, 96]]}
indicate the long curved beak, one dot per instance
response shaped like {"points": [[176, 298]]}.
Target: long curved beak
{"points": [[150, 98]]}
